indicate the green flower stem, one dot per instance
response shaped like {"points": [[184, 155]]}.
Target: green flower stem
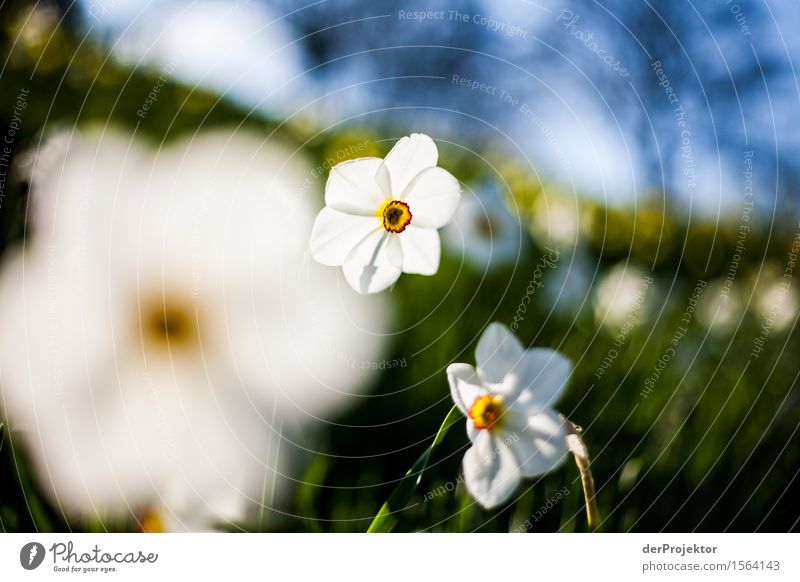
{"points": [[386, 518]]}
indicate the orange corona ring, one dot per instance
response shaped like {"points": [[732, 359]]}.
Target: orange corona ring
{"points": [[395, 215], [486, 411]]}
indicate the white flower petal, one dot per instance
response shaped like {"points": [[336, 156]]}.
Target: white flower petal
{"points": [[491, 472], [81, 179], [384, 180], [542, 443], [433, 196], [409, 157], [498, 354], [472, 431], [56, 327], [375, 264], [302, 334], [546, 373], [465, 386], [421, 250], [542, 379], [336, 234], [358, 186]]}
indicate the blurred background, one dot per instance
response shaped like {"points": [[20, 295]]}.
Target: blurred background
{"points": [[630, 175]]}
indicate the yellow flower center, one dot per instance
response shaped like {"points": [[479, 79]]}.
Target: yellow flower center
{"points": [[486, 411], [168, 322], [395, 215], [151, 523]]}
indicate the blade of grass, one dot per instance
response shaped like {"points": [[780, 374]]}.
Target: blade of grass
{"points": [[386, 518]]}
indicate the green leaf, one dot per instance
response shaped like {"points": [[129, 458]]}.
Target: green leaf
{"points": [[386, 518]]}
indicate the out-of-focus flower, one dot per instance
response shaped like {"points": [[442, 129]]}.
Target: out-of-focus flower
{"points": [[507, 401], [721, 307], [164, 323], [621, 296], [776, 302], [381, 215], [36, 24], [556, 220], [484, 230]]}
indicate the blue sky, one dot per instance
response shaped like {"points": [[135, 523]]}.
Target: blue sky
{"points": [[581, 123]]}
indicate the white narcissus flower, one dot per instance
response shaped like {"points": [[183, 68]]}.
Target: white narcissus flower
{"points": [[507, 400], [777, 302], [381, 215], [164, 321]]}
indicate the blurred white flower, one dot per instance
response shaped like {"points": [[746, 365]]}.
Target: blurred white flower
{"points": [[164, 324], [507, 400], [483, 230], [776, 301], [621, 296], [556, 219], [381, 216]]}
